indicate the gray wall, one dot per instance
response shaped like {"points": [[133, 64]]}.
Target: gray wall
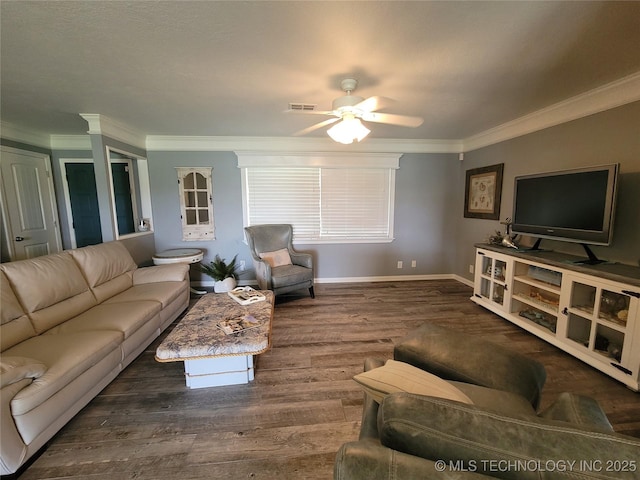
{"points": [[141, 247], [425, 190], [227, 204], [608, 137], [429, 223]]}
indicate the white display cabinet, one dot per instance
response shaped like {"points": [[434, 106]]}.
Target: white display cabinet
{"points": [[492, 280], [591, 312]]}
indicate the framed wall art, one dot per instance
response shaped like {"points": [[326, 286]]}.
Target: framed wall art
{"points": [[483, 189]]}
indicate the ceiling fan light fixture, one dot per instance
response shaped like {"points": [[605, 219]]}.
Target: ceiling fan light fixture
{"points": [[348, 130]]}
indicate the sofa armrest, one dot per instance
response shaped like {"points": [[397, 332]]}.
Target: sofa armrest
{"points": [[369, 425], [479, 439], [263, 273], [173, 272], [578, 410], [302, 259], [14, 369], [368, 460], [464, 358], [12, 448]]}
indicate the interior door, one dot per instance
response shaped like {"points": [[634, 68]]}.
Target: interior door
{"points": [[83, 196], [29, 207]]}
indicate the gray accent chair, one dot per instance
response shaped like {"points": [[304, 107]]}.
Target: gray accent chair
{"points": [[283, 278], [502, 435]]}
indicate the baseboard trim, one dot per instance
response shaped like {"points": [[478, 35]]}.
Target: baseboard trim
{"points": [[377, 279], [389, 278]]}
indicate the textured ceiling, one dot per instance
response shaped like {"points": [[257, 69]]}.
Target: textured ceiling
{"points": [[231, 68]]}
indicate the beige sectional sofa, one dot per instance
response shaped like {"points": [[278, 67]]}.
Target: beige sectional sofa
{"points": [[71, 322]]}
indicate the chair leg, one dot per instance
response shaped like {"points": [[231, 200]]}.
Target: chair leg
{"points": [[313, 295]]}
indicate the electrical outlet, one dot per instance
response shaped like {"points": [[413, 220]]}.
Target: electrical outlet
{"points": [[414, 263], [471, 269], [399, 263], [242, 265]]}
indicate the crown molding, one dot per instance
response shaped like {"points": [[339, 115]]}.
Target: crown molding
{"points": [[101, 125], [615, 94], [15, 133], [296, 144]]}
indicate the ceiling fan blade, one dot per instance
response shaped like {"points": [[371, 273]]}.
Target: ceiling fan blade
{"points": [[315, 127], [372, 104], [402, 120]]}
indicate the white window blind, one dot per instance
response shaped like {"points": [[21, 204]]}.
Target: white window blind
{"points": [[285, 195], [355, 203], [326, 199]]}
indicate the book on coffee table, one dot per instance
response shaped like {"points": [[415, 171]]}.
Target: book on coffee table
{"points": [[237, 325], [246, 295]]}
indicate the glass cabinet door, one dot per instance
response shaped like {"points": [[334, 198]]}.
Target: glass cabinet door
{"points": [[597, 320], [493, 273]]}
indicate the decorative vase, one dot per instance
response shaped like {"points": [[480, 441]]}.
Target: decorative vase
{"points": [[226, 285]]}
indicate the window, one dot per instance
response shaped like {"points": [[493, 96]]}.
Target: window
{"points": [[328, 198], [196, 203]]}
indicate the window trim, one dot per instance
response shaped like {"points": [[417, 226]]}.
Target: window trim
{"points": [[140, 191], [390, 161]]}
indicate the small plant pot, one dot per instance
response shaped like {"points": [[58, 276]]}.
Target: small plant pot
{"points": [[226, 285]]}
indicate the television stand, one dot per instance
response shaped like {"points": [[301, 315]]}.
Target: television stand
{"points": [[592, 260], [590, 311], [536, 247]]}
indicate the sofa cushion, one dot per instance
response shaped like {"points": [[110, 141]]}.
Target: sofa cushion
{"points": [[65, 356], [125, 318], [161, 292], [401, 377], [505, 403], [498, 445], [277, 258], [107, 267], [15, 325], [14, 369], [51, 288], [175, 272]]}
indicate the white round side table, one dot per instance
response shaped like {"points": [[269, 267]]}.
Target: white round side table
{"points": [[180, 255]]}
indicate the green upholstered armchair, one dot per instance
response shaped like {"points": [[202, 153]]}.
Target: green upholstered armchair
{"points": [[278, 266], [500, 435]]}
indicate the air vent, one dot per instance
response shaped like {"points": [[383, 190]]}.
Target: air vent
{"points": [[302, 107]]}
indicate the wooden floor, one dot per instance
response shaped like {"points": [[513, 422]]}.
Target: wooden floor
{"points": [[289, 423]]}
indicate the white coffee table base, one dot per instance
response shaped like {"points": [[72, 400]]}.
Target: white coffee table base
{"points": [[216, 372]]}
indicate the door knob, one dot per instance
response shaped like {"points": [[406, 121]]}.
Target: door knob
{"points": [[19, 239]]}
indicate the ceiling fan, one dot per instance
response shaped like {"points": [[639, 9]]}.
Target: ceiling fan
{"points": [[351, 109]]}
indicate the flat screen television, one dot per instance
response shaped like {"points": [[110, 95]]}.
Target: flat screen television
{"points": [[575, 205]]}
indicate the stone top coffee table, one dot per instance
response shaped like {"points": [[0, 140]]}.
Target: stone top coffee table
{"points": [[211, 357]]}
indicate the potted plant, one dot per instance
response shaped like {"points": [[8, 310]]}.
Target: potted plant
{"points": [[222, 272]]}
